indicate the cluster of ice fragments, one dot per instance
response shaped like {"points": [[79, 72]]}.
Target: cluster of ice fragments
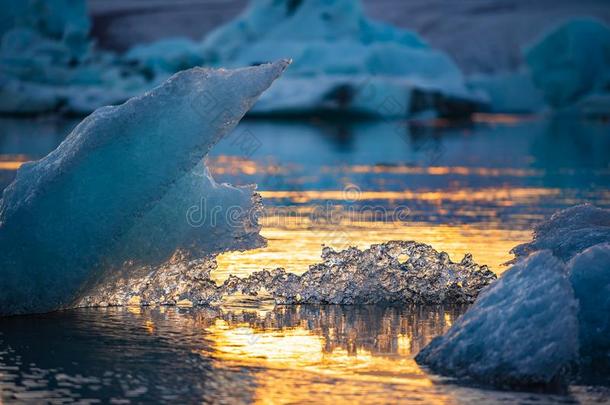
{"points": [[395, 272], [546, 317], [127, 189]]}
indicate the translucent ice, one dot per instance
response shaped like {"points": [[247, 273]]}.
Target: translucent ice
{"points": [[521, 332], [127, 188], [393, 272]]}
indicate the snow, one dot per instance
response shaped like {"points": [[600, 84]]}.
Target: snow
{"points": [[521, 332], [590, 278], [127, 185]]}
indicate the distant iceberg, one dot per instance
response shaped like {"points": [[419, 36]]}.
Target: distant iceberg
{"points": [[567, 70], [343, 61], [127, 188], [48, 62], [545, 318]]}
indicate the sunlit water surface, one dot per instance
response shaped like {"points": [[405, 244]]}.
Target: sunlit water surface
{"points": [[478, 187]]}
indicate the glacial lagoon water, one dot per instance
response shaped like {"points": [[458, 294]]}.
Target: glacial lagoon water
{"points": [[474, 187]]}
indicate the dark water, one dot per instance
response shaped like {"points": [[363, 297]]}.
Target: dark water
{"points": [[302, 354], [478, 187]]}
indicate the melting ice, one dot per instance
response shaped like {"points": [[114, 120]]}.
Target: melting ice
{"points": [[118, 188], [545, 315], [393, 272]]}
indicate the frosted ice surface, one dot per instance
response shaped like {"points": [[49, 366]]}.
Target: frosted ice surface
{"points": [[521, 332], [120, 186], [569, 232], [590, 277], [392, 272]]}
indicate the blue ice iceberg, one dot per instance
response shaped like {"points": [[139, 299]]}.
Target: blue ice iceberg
{"points": [[521, 332], [48, 62], [128, 188], [567, 69], [525, 330], [343, 61], [571, 62]]}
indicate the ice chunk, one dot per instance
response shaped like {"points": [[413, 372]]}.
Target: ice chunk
{"points": [[120, 186], [571, 61], [569, 232], [392, 272], [521, 332], [590, 277]]}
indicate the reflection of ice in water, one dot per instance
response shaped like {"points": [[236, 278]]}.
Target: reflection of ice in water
{"points": [[301, 353]]}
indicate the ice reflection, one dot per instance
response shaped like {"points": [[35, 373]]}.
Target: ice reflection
{"points": [[241, 354]]}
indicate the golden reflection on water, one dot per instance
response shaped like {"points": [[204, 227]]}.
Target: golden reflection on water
{"points": [[323, 354], [296, 247]]}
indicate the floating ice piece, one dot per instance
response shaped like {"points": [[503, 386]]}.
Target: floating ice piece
{"points": [[521, 332], [392, 272], [590, 277], [128, 186], [572, 61], [569, 232]]}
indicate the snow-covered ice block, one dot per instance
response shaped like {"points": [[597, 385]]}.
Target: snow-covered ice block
{"points": [[569, 232], [127, 186], [590, 277], [521, 332], [572, 61]]}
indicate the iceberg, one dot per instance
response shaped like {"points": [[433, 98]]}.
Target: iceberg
{"points": [[566, 70], [127, 189], [395, 272], [344, 62], [571, 61], [48, 62], [522, 331], [547, 314]]}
